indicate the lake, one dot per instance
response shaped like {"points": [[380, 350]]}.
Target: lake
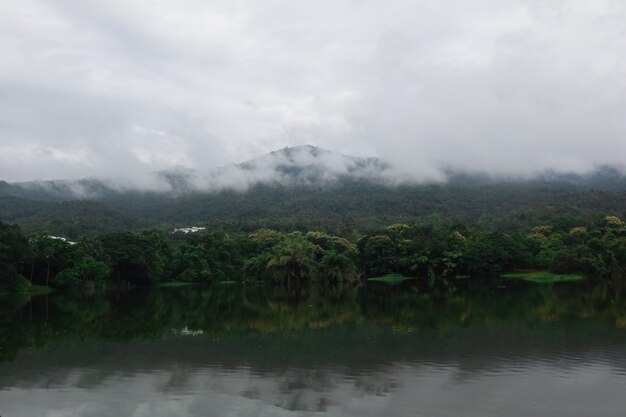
{"points": [[477, 349]]}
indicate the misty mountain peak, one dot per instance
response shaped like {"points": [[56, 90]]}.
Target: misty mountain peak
{"points": [[312, 165], [303, 165], [299, 150], [294, 154]]}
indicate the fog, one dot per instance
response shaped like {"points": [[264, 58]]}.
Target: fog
{"points": [[300, 165], [304, 165], [121, 90]]}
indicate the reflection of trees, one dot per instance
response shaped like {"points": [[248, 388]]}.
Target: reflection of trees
{"points": [[231, 310]]}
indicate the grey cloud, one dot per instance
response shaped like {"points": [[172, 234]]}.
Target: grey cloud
{"points": [[122, 89]]}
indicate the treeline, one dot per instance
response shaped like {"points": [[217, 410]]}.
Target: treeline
{"points": [[432, 249], [333, 208]]}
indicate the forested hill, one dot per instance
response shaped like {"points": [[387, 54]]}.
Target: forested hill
{"points": [[310, 193]]}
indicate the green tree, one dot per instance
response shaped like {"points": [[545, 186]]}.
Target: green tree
{"points": [[294, 259], [14, 252]]}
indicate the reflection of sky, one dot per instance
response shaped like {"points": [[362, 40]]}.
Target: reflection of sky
{"points": [[534, 389]]}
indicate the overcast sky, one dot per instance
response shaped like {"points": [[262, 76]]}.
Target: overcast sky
{"points": [[119, 88]]}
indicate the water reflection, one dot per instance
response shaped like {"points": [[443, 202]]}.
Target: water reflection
{"points": [[349, 351]]}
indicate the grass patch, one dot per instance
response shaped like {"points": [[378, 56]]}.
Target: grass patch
{"points": [[542, 277], [38, 290], [174, 284], [390, 278], [30, 290], [170, 284]]}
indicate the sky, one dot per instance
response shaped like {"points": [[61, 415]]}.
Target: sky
{"points": [[120, 89]]}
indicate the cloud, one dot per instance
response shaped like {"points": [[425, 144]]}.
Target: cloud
{"points": [[119, 89], [302, 165]]}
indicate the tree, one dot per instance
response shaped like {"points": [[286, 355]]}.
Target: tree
{"points": [[14, 251], [85, 269], [294, 259], [380, 255], [337, 267]]}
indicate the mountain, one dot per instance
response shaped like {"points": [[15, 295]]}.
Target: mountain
{"points": [[300, 188], [311, 165], [304, 165], [293, 166]]}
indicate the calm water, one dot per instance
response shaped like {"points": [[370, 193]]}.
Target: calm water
{"points": [[230, 350]]}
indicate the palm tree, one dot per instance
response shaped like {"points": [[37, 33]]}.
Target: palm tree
{"points": [[294, 259], [335, 266]]}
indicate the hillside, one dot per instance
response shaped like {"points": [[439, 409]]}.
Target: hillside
{"points": [[306, 188]]}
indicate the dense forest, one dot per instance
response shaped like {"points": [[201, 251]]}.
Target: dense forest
{"points": [[433, 249], [339, 208]]}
